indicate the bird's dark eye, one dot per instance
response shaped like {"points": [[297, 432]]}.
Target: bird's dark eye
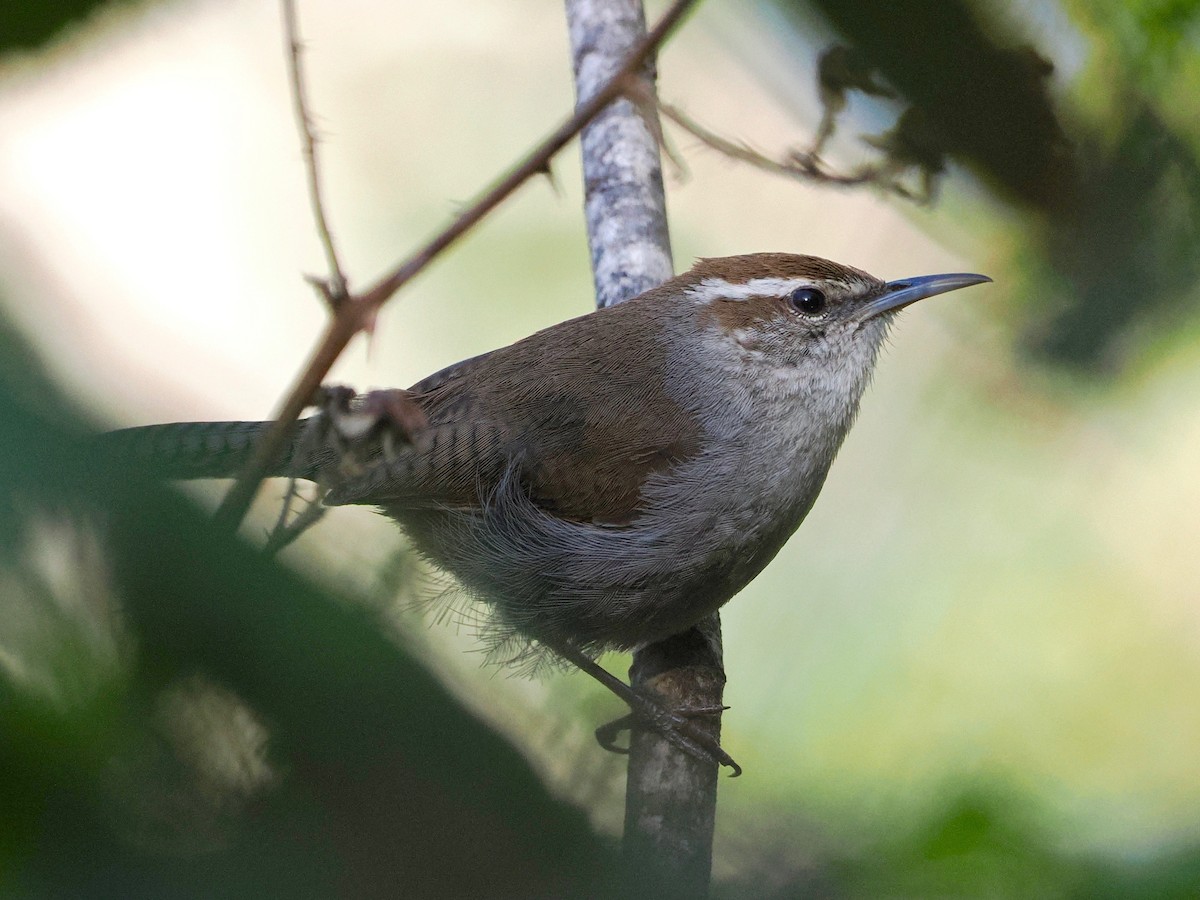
{"points": [[807, 300]]}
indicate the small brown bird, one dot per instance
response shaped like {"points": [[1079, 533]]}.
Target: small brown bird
{"points": [[611, 480]]}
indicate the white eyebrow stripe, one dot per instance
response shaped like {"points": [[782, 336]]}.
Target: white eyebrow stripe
{"points": [[720, 289]]}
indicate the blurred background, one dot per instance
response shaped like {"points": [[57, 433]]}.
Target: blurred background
{"points": [[974, 670]]}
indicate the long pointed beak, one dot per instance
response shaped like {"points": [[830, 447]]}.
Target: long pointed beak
{"points": [[898, 294]]}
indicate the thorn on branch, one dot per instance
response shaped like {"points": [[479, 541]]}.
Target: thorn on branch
{"points": [[546, 170], [333, 291]]}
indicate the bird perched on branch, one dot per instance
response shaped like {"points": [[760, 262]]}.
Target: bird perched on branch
{"points": [[611, 480]]}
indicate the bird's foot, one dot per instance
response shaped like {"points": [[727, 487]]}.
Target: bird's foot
{"points": [[675, 726], [357, 417], [361, 427]]}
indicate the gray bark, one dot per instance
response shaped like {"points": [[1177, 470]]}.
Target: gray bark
{"points": [[624, 204]]}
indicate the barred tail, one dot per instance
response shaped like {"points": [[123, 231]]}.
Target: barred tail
{"points": [[199, 449]]}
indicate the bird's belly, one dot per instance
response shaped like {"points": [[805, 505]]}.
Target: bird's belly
{"points": [[601, 588]]}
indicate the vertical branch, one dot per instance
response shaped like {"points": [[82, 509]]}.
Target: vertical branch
{"points": [[670, 801], [624, 204]]}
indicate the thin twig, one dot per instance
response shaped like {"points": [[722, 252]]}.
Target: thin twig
{"points": [[285, 532], [359, 310], [797, 164], [285, 508], [333, 290]]}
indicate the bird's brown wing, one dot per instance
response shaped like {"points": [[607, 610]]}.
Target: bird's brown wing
{"points": [[582, 418]]}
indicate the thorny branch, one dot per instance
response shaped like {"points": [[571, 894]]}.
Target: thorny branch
{"points": [[806, 165], [911, 145], [357, 312], [334, 289], [797, 164]]}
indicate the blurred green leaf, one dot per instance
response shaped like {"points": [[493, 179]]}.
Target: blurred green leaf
{"points": [[26, 24], [388, 787], [986, 102], [1111, 208]]}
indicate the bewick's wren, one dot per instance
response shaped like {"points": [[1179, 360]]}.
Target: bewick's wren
{"points": [[612, 480]]}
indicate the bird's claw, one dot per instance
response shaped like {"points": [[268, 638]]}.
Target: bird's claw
{"points": [[361, 427], [676, 728]]}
